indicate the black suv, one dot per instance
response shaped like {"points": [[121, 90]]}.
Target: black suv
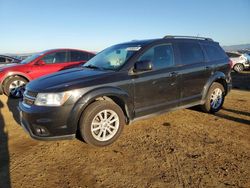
{"points": [[123, 83]]}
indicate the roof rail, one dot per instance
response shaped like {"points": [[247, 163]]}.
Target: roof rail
{"points": [[186, 37]]}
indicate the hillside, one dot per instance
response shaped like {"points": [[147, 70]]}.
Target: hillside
{"points": [[236, 47]]}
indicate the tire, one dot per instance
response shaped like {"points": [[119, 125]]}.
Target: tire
{"points": [[93, 129], [238, 67], [216, 93], [14, 86]]}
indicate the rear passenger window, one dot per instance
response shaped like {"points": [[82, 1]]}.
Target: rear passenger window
{"points": [[190, 53], [214, 52], [161, 56], [79, 56]]}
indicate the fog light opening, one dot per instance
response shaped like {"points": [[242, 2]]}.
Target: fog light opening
{"points": [[41, 131]]}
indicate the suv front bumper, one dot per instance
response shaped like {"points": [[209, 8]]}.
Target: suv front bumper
{"points": [[43, 123]]}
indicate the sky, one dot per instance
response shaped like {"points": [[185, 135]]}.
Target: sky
{"points": [[37, 25]]}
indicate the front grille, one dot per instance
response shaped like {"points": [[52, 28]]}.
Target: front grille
{"points": [[29, 97]]}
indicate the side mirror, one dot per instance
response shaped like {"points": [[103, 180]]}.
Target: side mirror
{"points": [[40, 62], [141, 66]]}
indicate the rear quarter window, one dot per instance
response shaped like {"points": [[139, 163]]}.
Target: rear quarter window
{"points": [[190, 53], [214, 52]]}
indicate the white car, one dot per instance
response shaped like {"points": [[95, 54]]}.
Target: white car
{"points": [[239, 61], [247, 55]]}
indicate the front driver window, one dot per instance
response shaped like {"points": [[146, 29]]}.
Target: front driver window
{"points": [[161, 56], [57, 57]]}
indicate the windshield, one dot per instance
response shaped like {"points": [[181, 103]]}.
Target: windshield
{"points": [[113, 57], [30, 58]]}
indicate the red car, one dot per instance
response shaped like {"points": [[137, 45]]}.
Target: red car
{"points": [[14, 77]]}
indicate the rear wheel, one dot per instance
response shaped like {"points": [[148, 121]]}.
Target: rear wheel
{"points": [[215, 98], [238, 67], [14, 87], [102, 123]]}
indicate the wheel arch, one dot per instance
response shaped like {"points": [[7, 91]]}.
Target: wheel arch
{"points": [[219, 77], [11, 75], [113, 94]]}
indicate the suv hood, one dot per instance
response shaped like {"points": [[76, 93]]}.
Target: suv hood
{"points": [[74, 78]]}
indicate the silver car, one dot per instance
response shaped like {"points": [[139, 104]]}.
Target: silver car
{"points": [[247, 55], [239, 61]]}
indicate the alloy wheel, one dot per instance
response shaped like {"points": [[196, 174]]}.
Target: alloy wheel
{"points": [[238, 68], [105, 125], [216, 98], [16, 88]]}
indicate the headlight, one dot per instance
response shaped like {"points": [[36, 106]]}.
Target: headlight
{"points": [[52, 99]]}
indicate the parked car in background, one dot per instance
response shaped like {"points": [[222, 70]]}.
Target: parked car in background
{"points": [[239, 61], [23, 57], [247, 56], [14, 77], [6, 60], [123, 83]]}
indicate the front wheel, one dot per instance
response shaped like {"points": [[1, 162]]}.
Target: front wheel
{"points": [[101, 123], [14, 87], [215, 98]]}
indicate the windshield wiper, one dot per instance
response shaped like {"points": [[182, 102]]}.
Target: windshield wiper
{"points": [[92, 67]]}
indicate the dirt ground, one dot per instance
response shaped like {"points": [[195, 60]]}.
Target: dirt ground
{"points": [[185, 148]]}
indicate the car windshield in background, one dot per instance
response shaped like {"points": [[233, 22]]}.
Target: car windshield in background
{"points": [[113, 57], [30, 58]]}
